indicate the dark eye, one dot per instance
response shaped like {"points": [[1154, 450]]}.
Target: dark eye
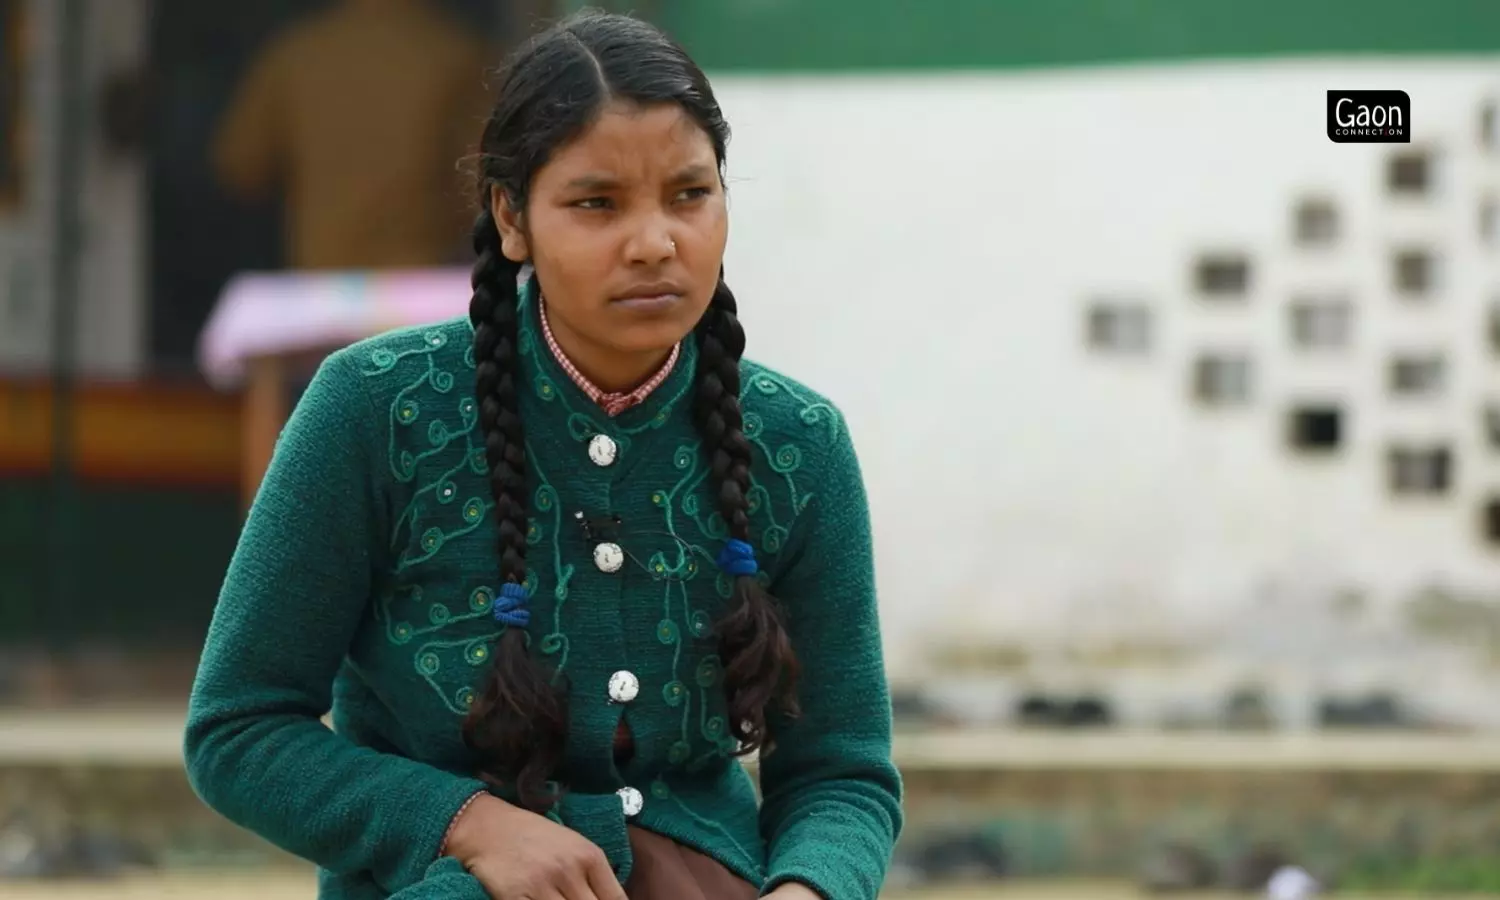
{"points": [[696, 193], [593, 203]]}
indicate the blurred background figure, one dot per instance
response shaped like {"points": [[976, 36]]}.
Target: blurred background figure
{"points": [[356, 116]]}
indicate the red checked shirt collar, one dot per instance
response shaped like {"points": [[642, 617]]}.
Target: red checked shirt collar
{"points": [[613, 403]]}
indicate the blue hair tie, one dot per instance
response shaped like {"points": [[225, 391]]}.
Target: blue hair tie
{"points": [[738, 558], [510, 605]]}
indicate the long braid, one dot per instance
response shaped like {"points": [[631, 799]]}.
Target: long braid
{"points": [[518, 723], [760, 667]]}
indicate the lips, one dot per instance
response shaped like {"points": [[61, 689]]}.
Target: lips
{"points": [[656, 291]]}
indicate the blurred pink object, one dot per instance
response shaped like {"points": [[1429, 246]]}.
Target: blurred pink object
{"points": [[271, 314]]}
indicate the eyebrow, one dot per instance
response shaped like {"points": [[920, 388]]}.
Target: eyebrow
{"points": [[698, 172], [604, 183], [593, 183]]}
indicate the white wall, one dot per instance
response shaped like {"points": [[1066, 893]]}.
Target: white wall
{"points": [[112, 299], [111, 315], [921, 248], [25, 233]]}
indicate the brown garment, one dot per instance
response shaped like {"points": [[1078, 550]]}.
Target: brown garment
{"points": [[666, 870], [359, 115]]}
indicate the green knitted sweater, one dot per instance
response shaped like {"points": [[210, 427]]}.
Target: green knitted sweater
{"points": [[364, 583]]}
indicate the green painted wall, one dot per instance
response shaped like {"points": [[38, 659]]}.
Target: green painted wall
{"points": [[822, 35], [147, 565]]}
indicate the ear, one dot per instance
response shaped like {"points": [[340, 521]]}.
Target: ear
{"points": [[508, 220]]}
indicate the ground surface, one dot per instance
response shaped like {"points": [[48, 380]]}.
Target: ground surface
{"points": [[152, 738]]}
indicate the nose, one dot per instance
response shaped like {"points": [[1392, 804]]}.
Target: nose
{"points": [[651, 242]]}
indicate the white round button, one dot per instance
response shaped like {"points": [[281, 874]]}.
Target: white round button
{"points": [[624, 686], [632, 800], [609, 557], [603, 450]]}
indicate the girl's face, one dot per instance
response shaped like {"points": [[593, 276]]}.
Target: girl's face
{"points": [[626, 227]]}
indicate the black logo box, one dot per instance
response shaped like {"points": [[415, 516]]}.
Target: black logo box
{"points": [[1369, 117]]}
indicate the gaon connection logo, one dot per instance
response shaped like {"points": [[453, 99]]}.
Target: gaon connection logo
{"points": [[1369, 117]]}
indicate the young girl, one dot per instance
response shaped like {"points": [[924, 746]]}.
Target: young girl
{"points": [[555, 566]]}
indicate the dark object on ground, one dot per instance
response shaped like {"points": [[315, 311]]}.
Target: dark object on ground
{"points": [[911, 706], [1252, 869], [1379, 710], [1042, 711], [1248, 709], [956, 855], [1038, 711], [1178, 867], [1089, 712], [27, 854]]}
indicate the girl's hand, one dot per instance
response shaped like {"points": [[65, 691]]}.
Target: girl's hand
{"points": [[518, 855]]}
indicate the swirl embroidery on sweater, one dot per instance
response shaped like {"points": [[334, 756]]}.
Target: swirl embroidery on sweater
{"points": [[786, 460], [421, 430], [400, 630], [555, 642], [676, 575], [427, 659], [405, 413], [686, 495], [426, 398], [429, 662]]}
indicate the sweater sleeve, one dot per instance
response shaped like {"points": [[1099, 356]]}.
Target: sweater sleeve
{"points": [[296, 590], [445, 879], [832, 795]]}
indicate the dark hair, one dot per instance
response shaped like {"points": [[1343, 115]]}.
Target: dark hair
{"points": [[549, 93]]}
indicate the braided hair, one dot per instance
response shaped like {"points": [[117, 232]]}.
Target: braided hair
{"points": [[760, 667], [549, 93]]}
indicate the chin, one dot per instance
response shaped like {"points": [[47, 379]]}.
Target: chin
{"points": [[653, 337], [650, 334]]}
